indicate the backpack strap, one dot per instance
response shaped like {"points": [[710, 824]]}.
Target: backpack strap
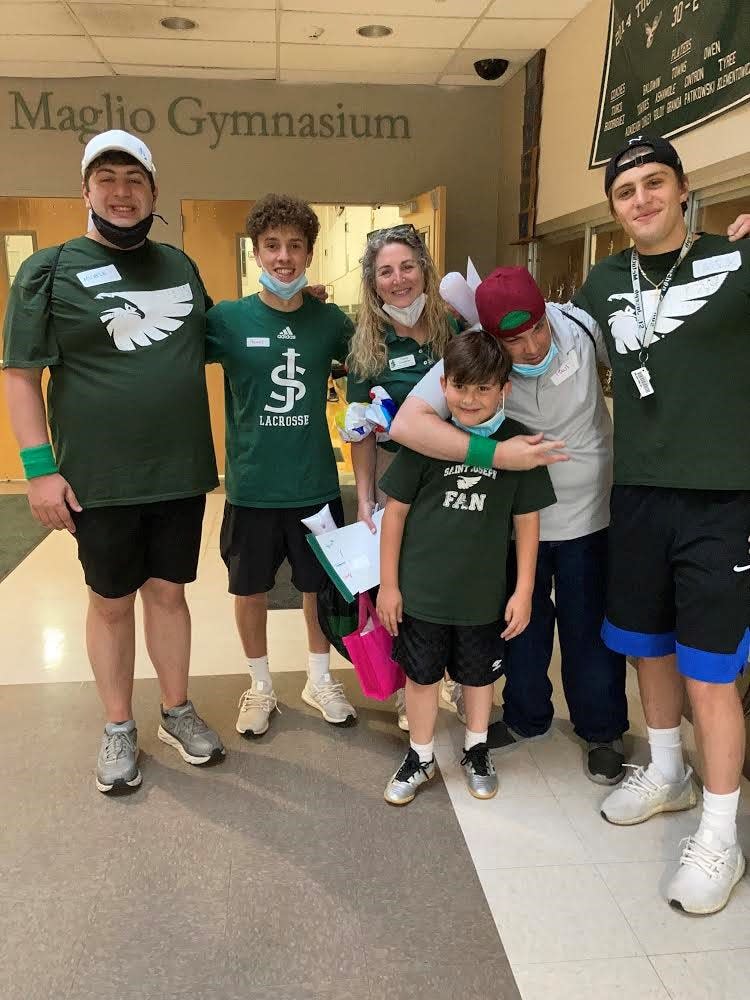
{"points": [[583, 326], [52, 273]]}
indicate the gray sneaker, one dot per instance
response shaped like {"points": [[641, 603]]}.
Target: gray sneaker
{"points": [[183, 729], [403, 786], [117, 764], [479, 771]]}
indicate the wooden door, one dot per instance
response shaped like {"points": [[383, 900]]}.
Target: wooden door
{"points": [[49, 221], [211, 235], [426, 212]]}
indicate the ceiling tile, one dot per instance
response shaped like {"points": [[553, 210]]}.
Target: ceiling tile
{"points": [[472, 80], [537, 8], [463, 61], [38, 19], [507, 33], [228, 4], [42, 70], [341, 29], [179, 52], [124, 20], [344, 57], [396, 8], [38, 48], [356, 76], [194, 73]]}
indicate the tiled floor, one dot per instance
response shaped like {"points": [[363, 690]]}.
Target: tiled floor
{"points": [[283, 873]]}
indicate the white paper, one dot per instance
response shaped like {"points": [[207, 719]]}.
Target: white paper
{"points": [[321, 522], [354, 554]]}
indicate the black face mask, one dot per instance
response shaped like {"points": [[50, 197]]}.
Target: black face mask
{"points": [[124, 237]]}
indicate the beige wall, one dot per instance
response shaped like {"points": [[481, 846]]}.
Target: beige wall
{"points": [[454, 141], [568, 191], [509, 184]]}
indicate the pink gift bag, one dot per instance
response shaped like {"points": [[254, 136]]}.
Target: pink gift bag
{"points": [[370, 648]]}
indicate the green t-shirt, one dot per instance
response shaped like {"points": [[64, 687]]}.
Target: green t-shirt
{"points": [[276, 367], [457, 532], [691, 433], [122, 333], [407, 362]]}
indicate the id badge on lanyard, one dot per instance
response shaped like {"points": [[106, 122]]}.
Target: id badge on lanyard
{"points": [[641, 376]]}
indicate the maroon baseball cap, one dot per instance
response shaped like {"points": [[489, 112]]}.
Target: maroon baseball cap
{"points": [[509, 302]]}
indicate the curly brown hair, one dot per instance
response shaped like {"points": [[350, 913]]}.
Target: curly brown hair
{"points": [[275, 210]]}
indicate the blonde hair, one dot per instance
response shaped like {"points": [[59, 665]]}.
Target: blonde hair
{"points": [[368, 355]]}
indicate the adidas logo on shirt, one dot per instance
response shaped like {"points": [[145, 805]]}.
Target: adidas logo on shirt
{"points": [[285, 334]]}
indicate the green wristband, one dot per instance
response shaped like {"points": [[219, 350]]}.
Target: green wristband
{"points": [[38, 461], [481, 451]]}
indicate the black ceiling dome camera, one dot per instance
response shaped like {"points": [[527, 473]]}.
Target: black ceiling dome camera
{"points": [[490, 69]]}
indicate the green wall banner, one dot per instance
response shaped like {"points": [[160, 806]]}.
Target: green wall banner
{"points": [[670, 67]]}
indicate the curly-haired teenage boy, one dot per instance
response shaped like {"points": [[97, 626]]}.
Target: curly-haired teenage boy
{"points": [[276, 348]]}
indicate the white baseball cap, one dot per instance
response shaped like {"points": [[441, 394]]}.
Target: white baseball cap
{"points": [[122, 142]]}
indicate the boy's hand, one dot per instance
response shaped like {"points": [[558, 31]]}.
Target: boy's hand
{"points": [[739, 229], [517, 615], [390, 608], [316, 292], [364, 513]]}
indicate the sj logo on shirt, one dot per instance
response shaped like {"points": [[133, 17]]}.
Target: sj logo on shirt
{"points": [[284, 375]]}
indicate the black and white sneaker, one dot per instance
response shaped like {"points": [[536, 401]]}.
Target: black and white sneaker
{"points": [[403, 786], [605, 762]]}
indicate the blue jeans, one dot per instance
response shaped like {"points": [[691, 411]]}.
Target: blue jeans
{"points": [[593, 676]]}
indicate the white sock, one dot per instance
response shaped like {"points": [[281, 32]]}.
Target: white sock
{"points": [[319, 667], [424, 750], [666, 753], [258, 667], [720, 816], [472, 739]]}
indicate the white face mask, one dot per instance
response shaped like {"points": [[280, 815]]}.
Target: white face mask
{"points": [[409, 315]]}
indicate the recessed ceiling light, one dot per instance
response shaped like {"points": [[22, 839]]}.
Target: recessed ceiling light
{"points": [[178, 23], [374, 30]]}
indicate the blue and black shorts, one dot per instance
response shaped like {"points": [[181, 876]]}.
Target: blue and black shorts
{"points": [[679, 578]]}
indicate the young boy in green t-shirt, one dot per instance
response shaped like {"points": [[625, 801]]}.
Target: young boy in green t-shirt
{"points": [[444, 545]]}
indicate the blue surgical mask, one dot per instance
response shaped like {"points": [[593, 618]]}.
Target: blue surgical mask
{"points": [[534, 371], [488, 427], [284, 289]]}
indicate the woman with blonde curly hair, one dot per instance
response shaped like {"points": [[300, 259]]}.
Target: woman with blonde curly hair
{"points": [[402, 330]]}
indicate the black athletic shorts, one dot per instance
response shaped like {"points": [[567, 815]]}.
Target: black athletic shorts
{"points": [[120, 547], [472, 654], [256, 540], [679, 578]]}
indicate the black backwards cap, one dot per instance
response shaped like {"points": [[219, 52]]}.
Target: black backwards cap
{"points": [[637, 151]]}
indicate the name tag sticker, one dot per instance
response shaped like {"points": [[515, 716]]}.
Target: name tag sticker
{"points": [[566, 369], [99, 276], [258, 342], [408, 361], [717, 265]]}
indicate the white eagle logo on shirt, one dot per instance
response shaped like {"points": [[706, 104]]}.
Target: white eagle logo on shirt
{"points": [[139, 319], [680, 301]]}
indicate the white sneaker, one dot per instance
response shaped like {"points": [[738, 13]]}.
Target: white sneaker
{"points": [[403, 722], [256, 705], [329, 699], [707, 874], [644, 793], [453, 696]]}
